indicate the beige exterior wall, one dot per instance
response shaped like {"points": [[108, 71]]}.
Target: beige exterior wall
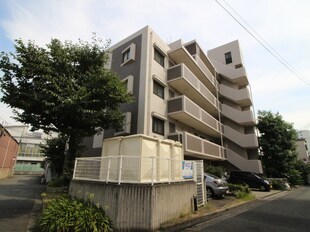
{"points": [[216, 103]]}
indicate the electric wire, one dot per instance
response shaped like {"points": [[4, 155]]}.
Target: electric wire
{"points": [[270, 49]]}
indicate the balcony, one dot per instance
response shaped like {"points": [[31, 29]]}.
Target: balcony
{"points": [[237, 76], [186, 111], [179, 54], [243, 140], [239, 96], [242, 163], [204, 68], [183, 80], [245, 118], [197, 147]]}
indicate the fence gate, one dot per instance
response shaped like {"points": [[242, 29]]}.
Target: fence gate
{"points": [[199, 178]]}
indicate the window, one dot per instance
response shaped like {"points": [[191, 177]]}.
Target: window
{"points": [[158, 126], [158, 89], [171, 127], [228, 58], [125, 128], [128, 82], [159, 57], [171, 93], [126, 55]]}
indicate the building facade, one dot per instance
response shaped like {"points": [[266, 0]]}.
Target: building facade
{"points": [[182, 93], [8, 153], [304, 134], [30, 158]]}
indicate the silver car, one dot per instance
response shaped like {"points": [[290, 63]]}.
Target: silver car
{"points": [[215, 186]]}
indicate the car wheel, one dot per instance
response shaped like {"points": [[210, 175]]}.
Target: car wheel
{"points": [[210, 192], [263, 188]]}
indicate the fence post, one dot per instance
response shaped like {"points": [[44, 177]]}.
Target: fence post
{"points": [[152, 170], [120, 169], [109, 165], [169, 170], [75, 164]]}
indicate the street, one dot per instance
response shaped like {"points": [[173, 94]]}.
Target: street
{"points": [[17, 197], [288, 213]]}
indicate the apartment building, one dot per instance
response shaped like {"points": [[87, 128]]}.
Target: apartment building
{"points": [[29, 158], [182, 93], [304, 134]]}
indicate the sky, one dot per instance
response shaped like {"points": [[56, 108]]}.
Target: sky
{"points": [[283, 24]]}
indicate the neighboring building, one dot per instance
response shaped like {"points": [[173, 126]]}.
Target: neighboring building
{"points": [[8, 153], [182, 93], [305, 134], [302, 150], [29, 157]]}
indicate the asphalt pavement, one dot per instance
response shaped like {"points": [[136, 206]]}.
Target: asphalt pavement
{"points": [[215, 207], [19, 203]]}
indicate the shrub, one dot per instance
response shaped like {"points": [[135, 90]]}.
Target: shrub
{"points": [[277, 185], [58, 182], [240, 191], [215, 170], [68, 214]]}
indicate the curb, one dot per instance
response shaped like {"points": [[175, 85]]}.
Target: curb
{"points": [[36, 209]]}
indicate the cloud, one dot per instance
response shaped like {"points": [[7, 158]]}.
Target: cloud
{"points": [[284, 24]]}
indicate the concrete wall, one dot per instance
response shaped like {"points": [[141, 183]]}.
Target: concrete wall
{"points": [[134, 207]]}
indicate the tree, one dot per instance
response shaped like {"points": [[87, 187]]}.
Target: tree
{"points": [[63, 87], [278, 143], [54, 150]]}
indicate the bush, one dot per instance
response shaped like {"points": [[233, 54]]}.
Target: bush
{"points": [[68, 214], [217, 171], [59, 181], [277, 185], [240, 191]]}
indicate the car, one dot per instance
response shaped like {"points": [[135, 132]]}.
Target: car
{"points": [[215, 186], [249, 178]]}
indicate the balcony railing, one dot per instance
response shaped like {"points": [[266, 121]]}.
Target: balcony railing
{"points": [[201, 148], [205, 69], [180, 55], [184, 110], [242, 163], [239, 96], [243, 140], [245, 118], [183, 80], [237, 76], [128, 169]]}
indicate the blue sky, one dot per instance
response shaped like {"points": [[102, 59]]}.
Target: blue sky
{"points": [[284, 24]]}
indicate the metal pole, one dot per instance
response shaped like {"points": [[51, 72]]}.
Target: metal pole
{"points": [[120, 169], [108, 173], [75, 164]]}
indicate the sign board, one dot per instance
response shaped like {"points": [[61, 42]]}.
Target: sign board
{"points": [[187, 169]]}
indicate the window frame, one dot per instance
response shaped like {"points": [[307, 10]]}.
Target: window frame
{"points": [[158, 86], [128, 54], [228, 58], [158, 126], [159, 56]]}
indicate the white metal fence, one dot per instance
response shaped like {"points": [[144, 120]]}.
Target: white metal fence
{"points": [[128, 169]]}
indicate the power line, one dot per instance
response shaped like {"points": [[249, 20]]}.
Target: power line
{"points": [[271, 50]]}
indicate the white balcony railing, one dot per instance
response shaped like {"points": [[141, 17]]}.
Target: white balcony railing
{"points": [[128, 169]]}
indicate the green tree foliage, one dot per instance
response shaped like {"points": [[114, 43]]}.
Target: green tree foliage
{"points": [[278, 142], [63, 87], [54, 151], [215, 170]]}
